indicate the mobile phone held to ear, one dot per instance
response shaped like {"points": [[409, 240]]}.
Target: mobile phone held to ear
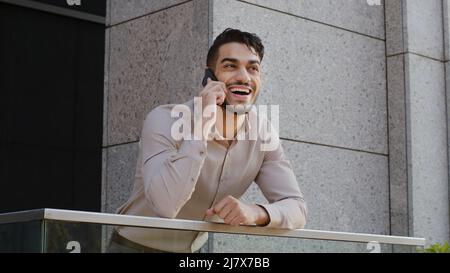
{"points": [[238, 109], [208, 74]]}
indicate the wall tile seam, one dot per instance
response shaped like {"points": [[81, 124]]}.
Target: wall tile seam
{"points": [[387, 123], [446, 89], [120, 144], [147, 14], [417, 54], [106, 94], [108, 14], [314, 21], [333, 146], [446, 30], [406, 146], [445, 41], [446, 36], [404, 21], [104, 206]]}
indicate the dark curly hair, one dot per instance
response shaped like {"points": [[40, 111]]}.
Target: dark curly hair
{"points": [[230, 35]]}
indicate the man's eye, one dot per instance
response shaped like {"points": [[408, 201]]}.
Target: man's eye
{"points": [[254, 68], [229, 65]]}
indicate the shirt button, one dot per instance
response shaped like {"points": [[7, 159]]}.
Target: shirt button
{"points": [[192, 179], [202, 152]]}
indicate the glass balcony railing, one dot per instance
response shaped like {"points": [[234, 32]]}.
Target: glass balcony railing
{"points": [[65, 231]]}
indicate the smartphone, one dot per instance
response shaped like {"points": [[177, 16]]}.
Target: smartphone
{"points": [[208, 74]]}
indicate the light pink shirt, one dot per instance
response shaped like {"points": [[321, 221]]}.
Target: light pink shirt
{"points": [[182, 179]]}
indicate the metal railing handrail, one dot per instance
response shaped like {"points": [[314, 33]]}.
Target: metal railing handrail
{"points": [[178, 224]]}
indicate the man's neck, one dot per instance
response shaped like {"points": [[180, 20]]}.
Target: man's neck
{"points": [[228, 124]]}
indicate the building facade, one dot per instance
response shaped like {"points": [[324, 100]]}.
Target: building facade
{"points": [[361, 87]]}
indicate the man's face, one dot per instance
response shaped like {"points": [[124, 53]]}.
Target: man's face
{"points": [[240, 69]]}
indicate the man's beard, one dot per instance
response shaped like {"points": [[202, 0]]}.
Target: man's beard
{"points": [[239, 109]]}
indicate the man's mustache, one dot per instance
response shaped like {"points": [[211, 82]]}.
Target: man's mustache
{"points": [[240, 83]]}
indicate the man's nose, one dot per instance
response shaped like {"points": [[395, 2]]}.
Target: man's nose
{"points": [[243, 76]]}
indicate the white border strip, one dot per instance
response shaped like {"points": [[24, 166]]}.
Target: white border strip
{"points": [[57, 10], [177, 224]]}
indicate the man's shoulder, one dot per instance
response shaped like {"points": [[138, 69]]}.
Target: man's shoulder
{"points": [[160, 119], [164, 111]]}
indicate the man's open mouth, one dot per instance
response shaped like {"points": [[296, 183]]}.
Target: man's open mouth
{"points": [[241, 91]]}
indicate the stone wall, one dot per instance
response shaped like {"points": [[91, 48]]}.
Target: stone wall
{"points": [[361, 90]]}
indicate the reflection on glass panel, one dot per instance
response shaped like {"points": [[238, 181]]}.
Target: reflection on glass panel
{"points": [[23, 237], [72, 237]]}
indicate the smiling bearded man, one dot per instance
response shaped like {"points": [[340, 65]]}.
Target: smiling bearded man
{"points": [[204, 179]]}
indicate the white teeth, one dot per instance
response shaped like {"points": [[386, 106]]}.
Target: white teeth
{"points": [[240, 90]]}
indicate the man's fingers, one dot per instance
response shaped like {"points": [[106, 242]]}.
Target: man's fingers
{"points": [[231, 216], [210, 212], [222, 203], [236, 221], [220, 98], [210, 83], [223, 213], [227, 209], [232, 211], [224, 88], [217, 90], [219, 206]]}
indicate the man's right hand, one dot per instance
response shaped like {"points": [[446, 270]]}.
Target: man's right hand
{"points": [[213, 94]]}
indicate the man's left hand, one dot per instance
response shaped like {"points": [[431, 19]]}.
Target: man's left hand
{"points": [[235, 212]]}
